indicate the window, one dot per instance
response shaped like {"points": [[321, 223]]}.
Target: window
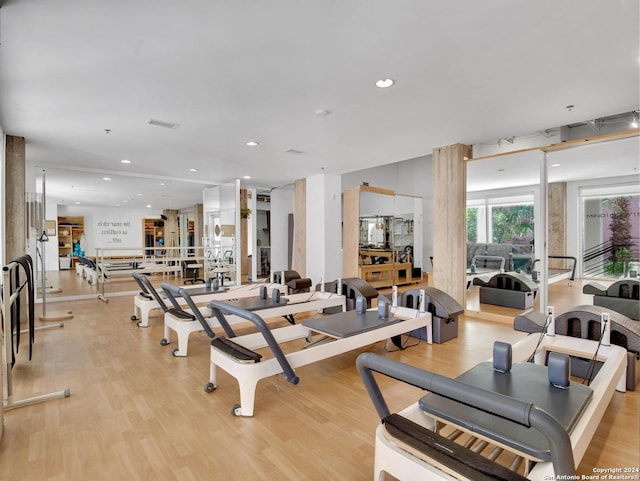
{"points": [[506, 220]]}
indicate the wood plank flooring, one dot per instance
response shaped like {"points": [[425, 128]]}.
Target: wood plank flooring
{"points": [[138, 413]]}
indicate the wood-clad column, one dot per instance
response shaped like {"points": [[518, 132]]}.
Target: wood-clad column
{"points": [[299, 257], [198, 224], [557, 212], [245, 265], [350, 233], [449, 220], [14, 199]]}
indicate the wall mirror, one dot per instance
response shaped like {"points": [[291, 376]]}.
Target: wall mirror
{"points": [[573, 185], [389, 246], [105, 211], [221, 239]]}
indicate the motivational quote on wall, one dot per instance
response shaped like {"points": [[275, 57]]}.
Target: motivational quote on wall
{"points": [[113, 232]]}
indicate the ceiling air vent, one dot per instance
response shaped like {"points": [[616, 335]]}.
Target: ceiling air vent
{"points": [[162, 123], [294, 151]]}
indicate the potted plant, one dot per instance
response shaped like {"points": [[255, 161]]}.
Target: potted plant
{"points": [[245, 212]]}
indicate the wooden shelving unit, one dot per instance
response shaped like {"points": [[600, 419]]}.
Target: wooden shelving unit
{"points": [[70, 230], [153, 235]]}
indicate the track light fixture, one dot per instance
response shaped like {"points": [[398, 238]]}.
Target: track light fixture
{"points": [[636, 119], [508, 140]]}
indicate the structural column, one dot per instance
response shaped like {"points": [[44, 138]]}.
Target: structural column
{"points": [[14, 198], [449, 220], [299, 257]]}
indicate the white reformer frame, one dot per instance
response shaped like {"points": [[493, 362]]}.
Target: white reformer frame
{"points": [[142, 306], [248, 374], [297, 303], [392, 459]]}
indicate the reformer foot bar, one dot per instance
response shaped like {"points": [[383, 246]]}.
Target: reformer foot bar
{"points": [[405, 459], [286, 307], [345, 331]]}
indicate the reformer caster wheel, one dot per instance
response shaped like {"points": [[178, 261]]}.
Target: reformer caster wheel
{"points": [[139, 324], [308, 339], [134, 318], [164, 342], [236, 410], [175, 352], [209, 387]]}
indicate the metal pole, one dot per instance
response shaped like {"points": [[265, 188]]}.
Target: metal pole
{"points": [[43, 276]]}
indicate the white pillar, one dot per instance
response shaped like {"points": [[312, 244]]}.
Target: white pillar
{"points": [[323, 227]]}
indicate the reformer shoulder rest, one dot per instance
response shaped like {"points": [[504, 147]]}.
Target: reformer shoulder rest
{"points": [[237, 351], [447, 454], [179, 313]]}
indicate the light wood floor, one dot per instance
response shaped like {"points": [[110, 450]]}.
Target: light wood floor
{"points": [[137, 413]]}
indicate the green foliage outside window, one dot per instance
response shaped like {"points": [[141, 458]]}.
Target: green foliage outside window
{"points": [[512, 224], [472, 224]]}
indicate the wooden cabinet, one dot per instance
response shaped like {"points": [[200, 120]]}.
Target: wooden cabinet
{"points": [[70, 240], [153, 236]]}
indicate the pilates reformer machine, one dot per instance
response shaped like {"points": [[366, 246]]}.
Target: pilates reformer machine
{"points": [[149, 298], [518, 416], [18, 282], [324, 337], [269, 305], [109, 268]]}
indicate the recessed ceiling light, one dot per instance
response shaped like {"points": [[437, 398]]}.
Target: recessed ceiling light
{"points": [[106, 178], [385, 83], [149, 206], [252, 143], [125, 161], [555, 165], [139, 194], [161, 183], [117, 205], [76, 202], [246, 177], [322, 112], [193, 170]]}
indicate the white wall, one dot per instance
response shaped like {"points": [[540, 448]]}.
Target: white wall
{"points": [[323, 228]]}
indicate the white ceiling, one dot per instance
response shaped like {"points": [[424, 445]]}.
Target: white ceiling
{"points": [[228, 72]]}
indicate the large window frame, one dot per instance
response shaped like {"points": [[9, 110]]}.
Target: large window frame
{"points": [[484, 208]]}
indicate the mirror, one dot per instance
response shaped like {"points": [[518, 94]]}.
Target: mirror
{"points": [[90, 213], [221, 239], [390, 247], [571, 176]]}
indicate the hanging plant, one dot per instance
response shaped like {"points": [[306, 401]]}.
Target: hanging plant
{"points": [[245, 212]]}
